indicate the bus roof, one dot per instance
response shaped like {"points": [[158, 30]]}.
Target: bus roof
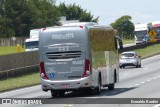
{"points": [[156, 24], [81, 24], [139, 27]]}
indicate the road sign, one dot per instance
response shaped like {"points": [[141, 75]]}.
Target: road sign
{"points": [[152, 33], [152, 40]]}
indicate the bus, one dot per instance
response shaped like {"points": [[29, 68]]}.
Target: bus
{"points": [[156, 27], [31, 44], [141, 33], [78, 57]]}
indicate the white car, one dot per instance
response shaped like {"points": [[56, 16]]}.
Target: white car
{"points": [[130, 59]]}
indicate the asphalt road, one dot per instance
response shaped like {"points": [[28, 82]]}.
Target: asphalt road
{"points": [[134, 83]]}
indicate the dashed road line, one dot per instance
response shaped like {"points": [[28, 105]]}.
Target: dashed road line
{"points": [[136, 85], [149, 80], [124, 74], [68, 105], [143, 82], [154, 78], [145, 68]]}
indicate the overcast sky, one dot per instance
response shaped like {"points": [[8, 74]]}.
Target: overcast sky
{"points": [[141, 11]]}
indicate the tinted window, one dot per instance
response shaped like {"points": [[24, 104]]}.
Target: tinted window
{"points": [[128, 55], [32, 44]]}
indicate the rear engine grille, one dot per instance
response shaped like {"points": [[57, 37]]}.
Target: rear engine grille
{"points": [[64, 55]]}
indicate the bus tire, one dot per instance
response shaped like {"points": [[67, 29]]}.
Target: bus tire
{"points": [[61, 93], [98, 88], [53, 93], [137, 65], [140, 65], [57, 93], [115, 76], [111, 86]]}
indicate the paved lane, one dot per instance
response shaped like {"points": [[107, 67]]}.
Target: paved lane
{"points": [[134, 83]]}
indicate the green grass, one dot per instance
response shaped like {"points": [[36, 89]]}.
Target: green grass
{"points": [[128, 41], [148, 51], [9, 50], [19, 82]]}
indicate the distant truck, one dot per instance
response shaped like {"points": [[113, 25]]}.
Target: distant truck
{"points": [[31, 44], [78, 57], [141, 32], [156, 27]]}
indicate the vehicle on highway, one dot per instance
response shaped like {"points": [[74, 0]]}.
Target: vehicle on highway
{"points": [[31, 44], [130, 59], [156, 27], [141, 32], [78, 57]]}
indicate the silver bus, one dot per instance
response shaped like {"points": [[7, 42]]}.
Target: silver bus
{"points": [[78, 57]]}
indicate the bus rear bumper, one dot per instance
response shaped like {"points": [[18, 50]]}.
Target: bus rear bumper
{"points": [[75, 84]]}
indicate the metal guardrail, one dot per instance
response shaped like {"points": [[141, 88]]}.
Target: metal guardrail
{"points": [[138, 46], [27, 62], [18, 64]]}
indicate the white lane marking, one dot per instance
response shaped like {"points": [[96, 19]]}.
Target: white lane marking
{"points": [[125, 74], [145, 68], [154, 78], [131, 86], [136, 85], [158, 105], [142, 82], [149, 80], [68, 105]]}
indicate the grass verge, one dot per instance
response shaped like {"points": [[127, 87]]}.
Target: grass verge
{"points": [[148, 51], [9, 50], [19, 82], [128, 41]]}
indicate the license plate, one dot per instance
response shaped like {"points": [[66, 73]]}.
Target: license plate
{"points": [[127, 59], [65, 85]]}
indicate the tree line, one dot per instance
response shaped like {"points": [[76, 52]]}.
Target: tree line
{"points": [[17, 17], [124, 26]]}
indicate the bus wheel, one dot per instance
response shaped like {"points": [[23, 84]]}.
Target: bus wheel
{"points": [[111, 86], [137, 65], [123, 66], [61, 93], [98, 88], [120, 67], [57, 93], [140, 65], [53, 93]]}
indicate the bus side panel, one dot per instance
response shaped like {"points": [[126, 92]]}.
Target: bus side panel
{"points": [[104, 54], [113, 64]]}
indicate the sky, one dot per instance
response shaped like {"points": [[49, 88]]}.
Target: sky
{"points": [[141, 11]]}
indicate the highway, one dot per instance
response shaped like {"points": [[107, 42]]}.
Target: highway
{"points": [[134, 83]]}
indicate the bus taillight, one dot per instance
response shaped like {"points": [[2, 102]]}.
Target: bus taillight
{"points": [[43, 73], [87, 70]]}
